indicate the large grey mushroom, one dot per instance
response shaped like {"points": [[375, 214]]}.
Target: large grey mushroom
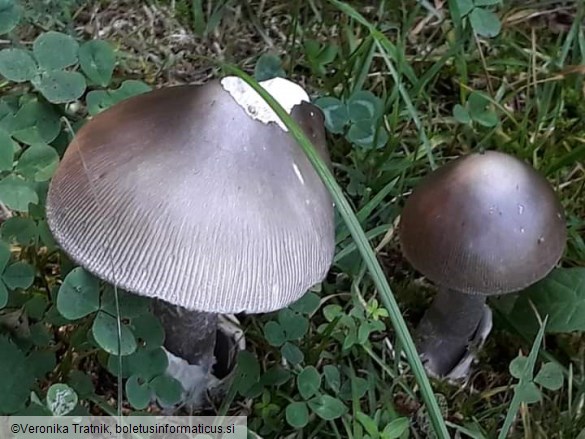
{"points": [[197, 196], [483, 225]]}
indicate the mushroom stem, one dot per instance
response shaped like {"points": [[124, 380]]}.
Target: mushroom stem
{"points": [[190, 335], [445, 331]]}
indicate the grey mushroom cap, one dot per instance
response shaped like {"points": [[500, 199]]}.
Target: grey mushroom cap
{"points": [[485, 223], [180, 195]]}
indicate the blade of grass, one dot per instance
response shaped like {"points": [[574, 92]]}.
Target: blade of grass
{"points": [[457, 42], [365, 249], [371, 234], [577, 155], [466, 431], [362, 69], [199, 25], [366, 211]]}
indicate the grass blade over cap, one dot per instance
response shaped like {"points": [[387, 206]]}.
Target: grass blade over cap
{"points": [[365, 249]]}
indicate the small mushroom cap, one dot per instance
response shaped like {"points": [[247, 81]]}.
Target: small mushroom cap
{"points": [[485, 223], [181, 194]]}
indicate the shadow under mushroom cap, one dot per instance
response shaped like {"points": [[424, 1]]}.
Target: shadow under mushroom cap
{"points": [[485, 223], [178, 194]]}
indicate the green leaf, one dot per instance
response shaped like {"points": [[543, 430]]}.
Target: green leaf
{"points": [[292, 353], [297, 414], [38, 162], [97, 61], [461, 115], [147, 364], [364, 331], [312, 48], [274, 334], [465, 7], [10, 13], [561, 296], [36, 122], [19, 275], [550, 376], [275, 376], [100, 100], [53, 316], [40, 335], [36, 306], [130, 88], [254, 391], [357, 387], [267, 67], [331, 312], [148, 331], [363, 105], [319, 56], [485, 23], [61, 399], [247, 372], [55, 51], [332, 377], [3, 295], [81, 382], [17, 194], [5, 254], [395, 429], [294, 325], [487, 2], [138, 392], [335, 112], [61, 87], [517, 366], [17, 65], [308, 382], [364, 134], [167, 390], [105, 332], [46, 236], [528, 392], [20, 230], [327, 407], [368, 423], [480, 109], [113, 365], [42, 362], [307, 304], [6, 151], [129, 305], [79, 295], [16, 377]]}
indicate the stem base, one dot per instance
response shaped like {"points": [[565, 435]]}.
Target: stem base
{"points": [[451, 331]]}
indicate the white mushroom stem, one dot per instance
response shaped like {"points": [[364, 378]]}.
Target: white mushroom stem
{"points": [[189, 335], [195, 341], [194, 379], [448, 328]]}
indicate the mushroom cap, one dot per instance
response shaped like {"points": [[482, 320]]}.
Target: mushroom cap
{"points": [[485, 223], [194, 195]]}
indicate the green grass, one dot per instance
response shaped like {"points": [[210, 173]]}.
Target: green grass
{"points": [[421, 63]]}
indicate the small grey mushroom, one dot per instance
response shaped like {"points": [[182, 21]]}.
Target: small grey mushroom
{"points": [[197, 196], [485, 224]]}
